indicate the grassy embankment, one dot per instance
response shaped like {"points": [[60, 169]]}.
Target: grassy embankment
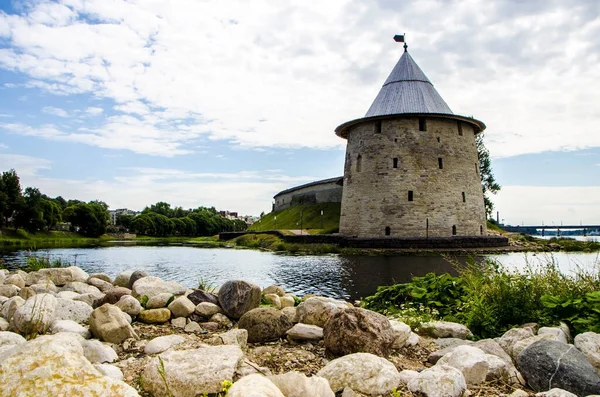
{"points": [[289, 219], [490, 299], [9, 238]]}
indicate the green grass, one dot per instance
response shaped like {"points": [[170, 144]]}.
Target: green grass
{"points": [[268, 242], [289, 219], [35, 263], [490, 299]]}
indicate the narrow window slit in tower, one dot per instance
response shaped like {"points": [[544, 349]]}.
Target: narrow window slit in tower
{"points": [[387, 231], [410, 195], [464, 197], [438, 138], [358, 163], [395, 162], [460, 132], [395, 139], [422, 124], [378, 127], [440, 163], [481, 229], [454, 230]]}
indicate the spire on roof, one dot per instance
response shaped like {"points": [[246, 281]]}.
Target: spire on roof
{"points": [[407, 90]]}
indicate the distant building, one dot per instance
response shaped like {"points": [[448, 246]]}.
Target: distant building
{"points": [[325, 191], [114, 214]]}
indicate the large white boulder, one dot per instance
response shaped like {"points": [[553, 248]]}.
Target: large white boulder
{"points": [[557, 332], [254, 386], [363, 372], [401, 333], [49, 367], [59, 276], [512, 336], [69, 326], [150, 286], [444, 329], [471, 361], [191, 372], [98, 352], [318, 310], [295, 384], [67, 309], [439, 381], [35, 315], [109, 323], [162, 343], [589, 344]]}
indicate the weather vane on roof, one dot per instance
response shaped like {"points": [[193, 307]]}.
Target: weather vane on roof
{"points": [[399, 38]]}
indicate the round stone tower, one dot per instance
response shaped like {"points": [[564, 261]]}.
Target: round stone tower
{"points": [[411, 166]]}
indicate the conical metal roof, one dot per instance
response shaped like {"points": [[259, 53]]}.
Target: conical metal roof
{"points": [[407, 90]]}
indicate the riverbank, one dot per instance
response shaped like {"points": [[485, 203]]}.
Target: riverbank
{"points": [[137, 335], [13, 240]]}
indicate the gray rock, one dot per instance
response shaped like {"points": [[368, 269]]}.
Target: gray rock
{"points": [[108, 323], [521, 345], [264, 324], [67, 309], [98, 352], [363, 372], [102, 285], [358, 330], [4, 324], [109, 370], [135, 276], [273, 300], [556, 392], [469, 360], [129, 305], [512, 336], [100, 276], [181, 307], [67, 295], [207, 309], [407, 375], [69, 326], [192, 327], [238, 297], [557, 332], [9, 290], [287, 301], [401, 333], [15, 279], [80, 287], [45, 287], [198, 296], [295, 384], [59, 276], [159, 301], [254, 385], [237, 337], [589, 344], [547, 364], [151, 286], [192, 372], [221, 319], [8, 338], [10, 307], [113, 295], [179, 322], [162, 343], [35, 315], [444, 329], [317, 310], [122, 279], [439, 381], [443, 343], [302, 332]]}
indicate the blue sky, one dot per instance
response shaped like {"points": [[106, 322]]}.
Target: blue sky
{"points": [[226, 103]]}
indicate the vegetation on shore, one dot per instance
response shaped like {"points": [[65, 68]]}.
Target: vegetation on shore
{"points": [[490, 299], [305, 216]]}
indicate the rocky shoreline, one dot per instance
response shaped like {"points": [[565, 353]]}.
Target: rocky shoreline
{"points": [[65, 332]]}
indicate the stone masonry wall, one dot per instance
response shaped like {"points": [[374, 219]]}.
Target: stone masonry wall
{"points": [[377, 196], [319, 193]]}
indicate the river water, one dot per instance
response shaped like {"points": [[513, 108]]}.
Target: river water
{"points": [[348, 277]]}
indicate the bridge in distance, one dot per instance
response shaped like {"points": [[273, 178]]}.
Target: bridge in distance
{"points": [[532, 229]]}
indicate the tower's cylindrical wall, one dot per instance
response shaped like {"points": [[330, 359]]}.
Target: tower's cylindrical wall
{"points": [[412, 177]]}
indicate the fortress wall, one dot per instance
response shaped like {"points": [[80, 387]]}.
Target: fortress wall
{"points": [[377, 196], [329, 192]]}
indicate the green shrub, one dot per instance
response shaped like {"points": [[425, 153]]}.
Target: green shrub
{"points": [[35, 263], [490, 299]]}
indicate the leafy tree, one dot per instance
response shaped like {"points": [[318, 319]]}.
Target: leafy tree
{"points": [[488, 182], [10, 195], [91, 219], [142, 224], [30, 215], [161, 208], [124, 220]]}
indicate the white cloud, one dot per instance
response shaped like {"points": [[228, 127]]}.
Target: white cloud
{"points": [[548, 205], [55, 111], [3, 146], [94, 111], [27, 167], [261, 74]]}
